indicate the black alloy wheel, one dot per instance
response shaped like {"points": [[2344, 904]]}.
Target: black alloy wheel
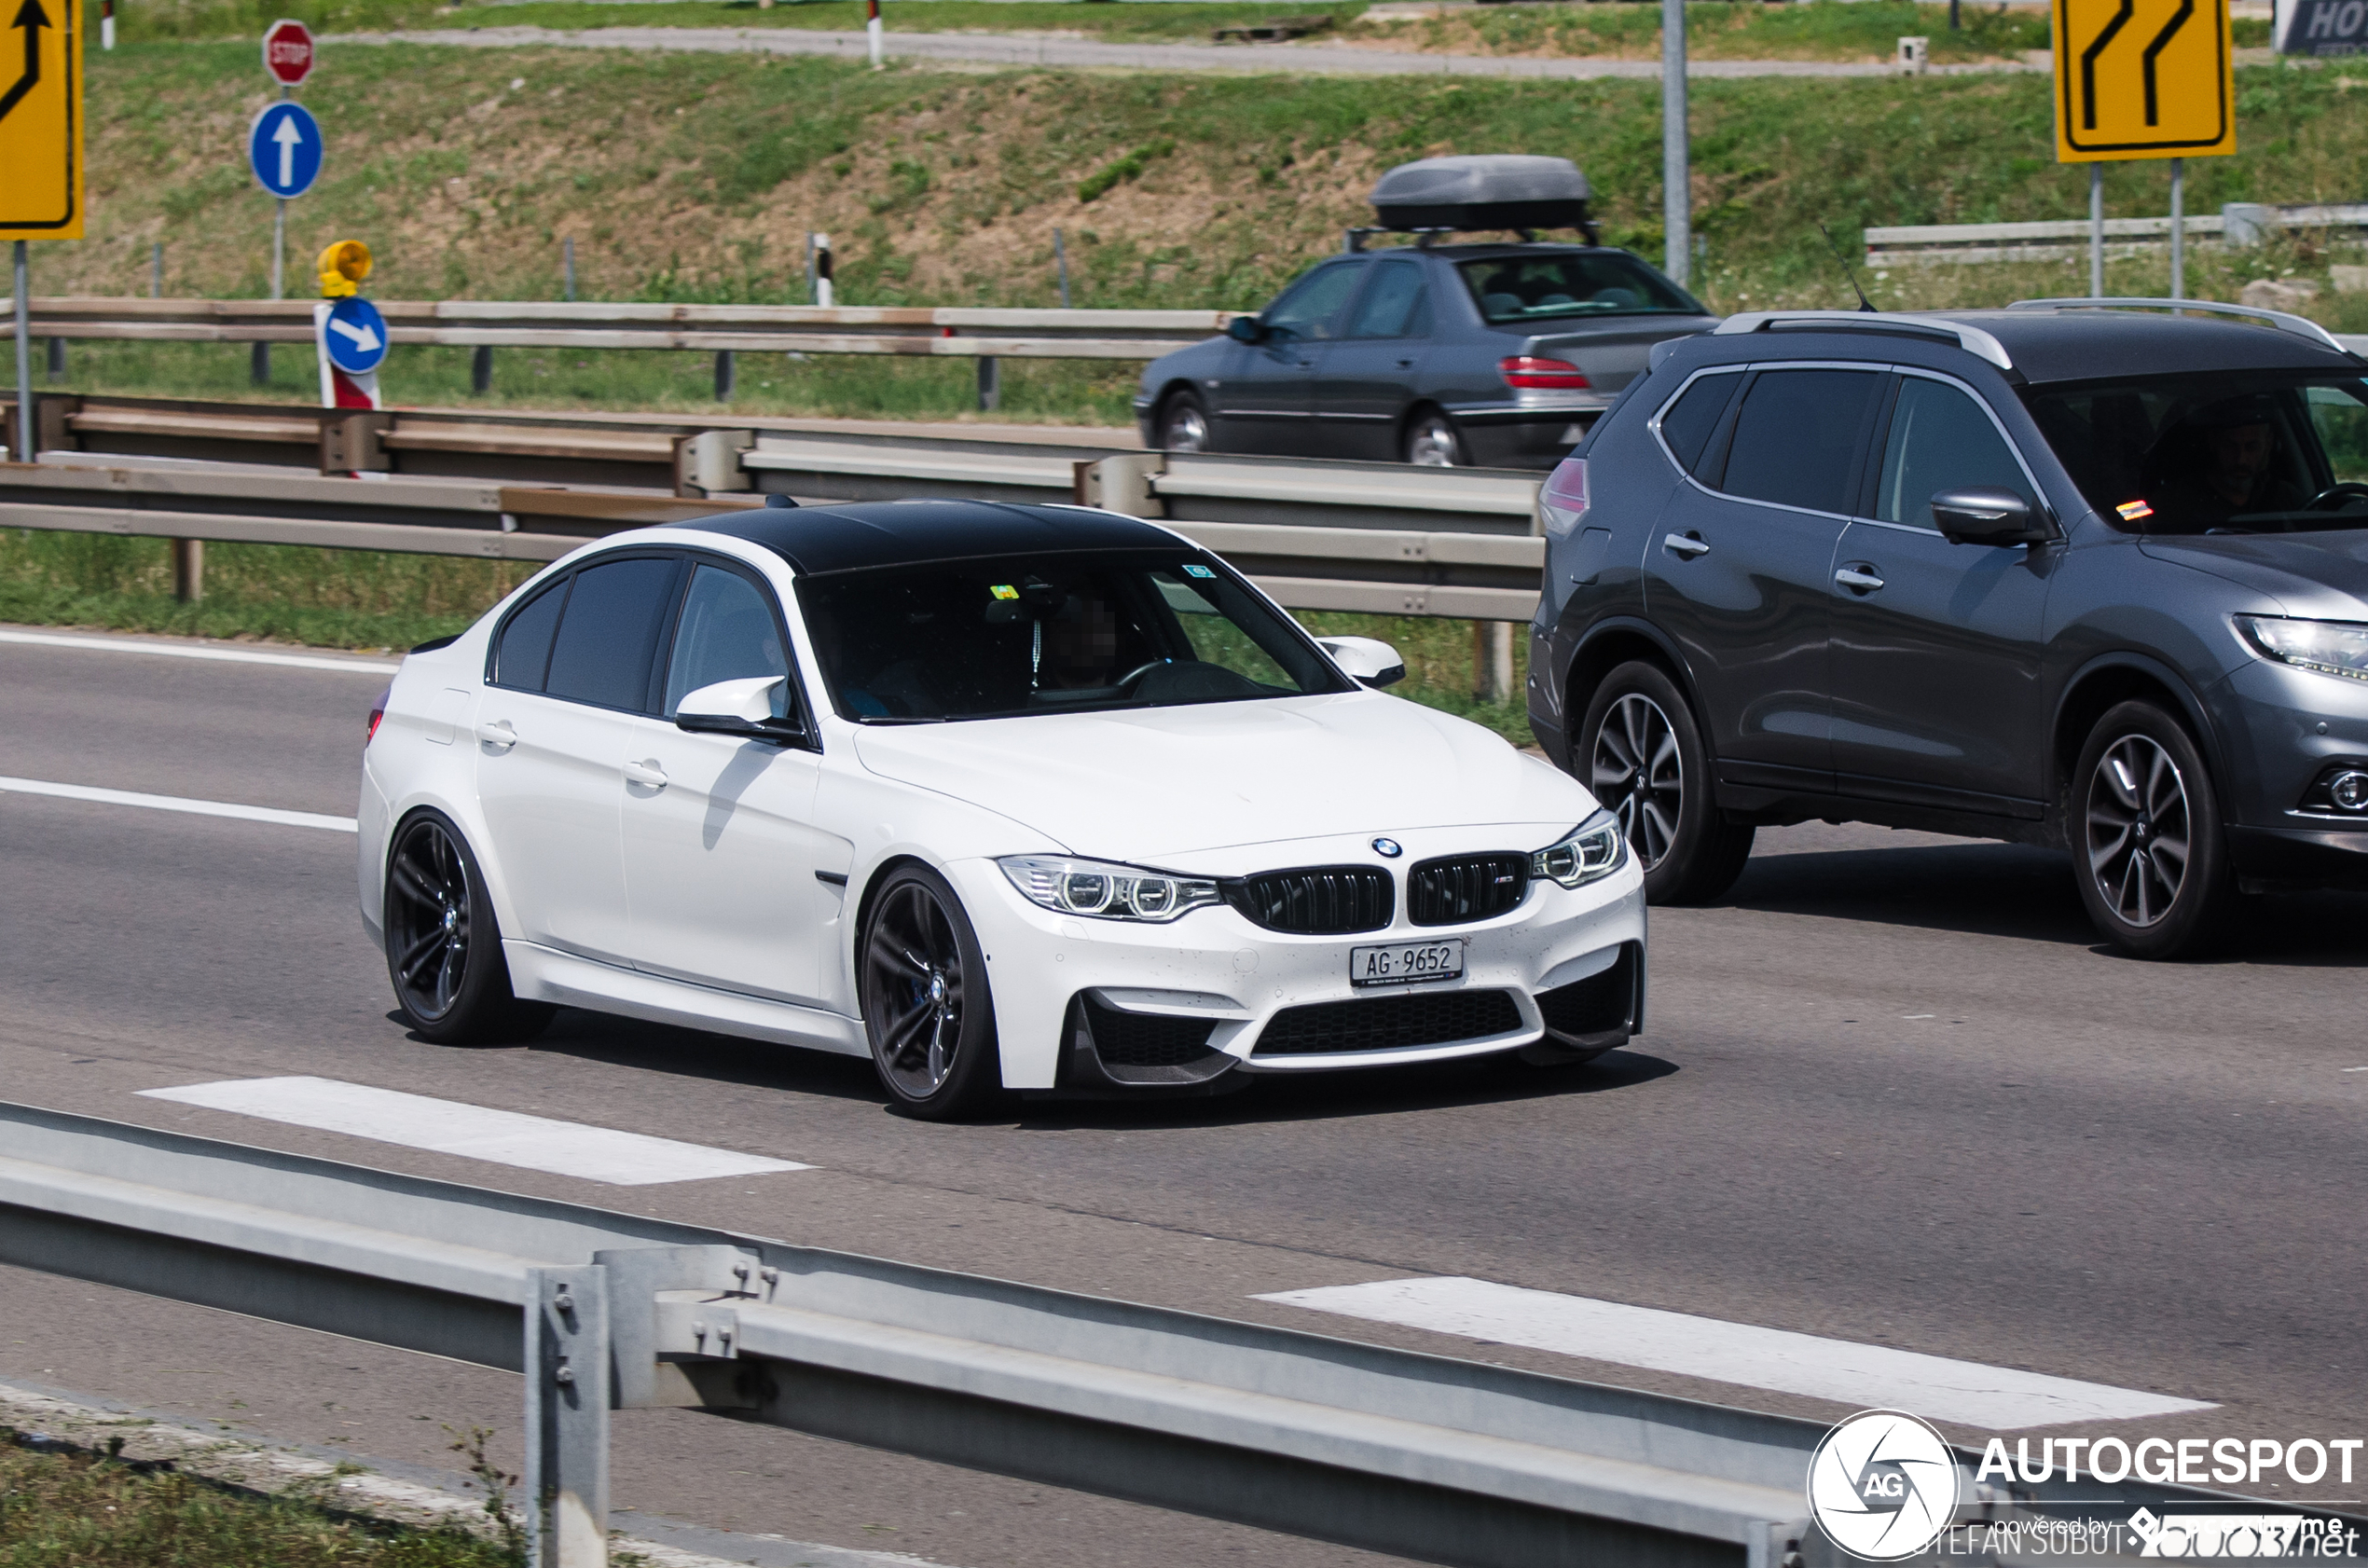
{"points": [[2153, 858], [444, 944], [1183, 423], [926, 1005], [1642, 756]]}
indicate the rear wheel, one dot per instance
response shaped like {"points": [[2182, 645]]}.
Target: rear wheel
{"points": [[926, 1005], [444, 944], [1432, 442], [2148, 839], [1183, 423], [1641, 755]]}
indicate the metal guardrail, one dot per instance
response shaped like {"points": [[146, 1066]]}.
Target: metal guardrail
{"points": [[955, 332], [1377, 538], [1449, 1461], [2237, 224]]}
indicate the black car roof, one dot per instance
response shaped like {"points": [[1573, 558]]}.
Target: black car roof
{"points": [[848, 538], [2092, 345]]}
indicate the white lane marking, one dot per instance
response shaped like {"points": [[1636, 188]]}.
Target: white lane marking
{"points": [[199, 651], [1933, 1386], [505, 1137], [2356, 1069], [177, 803]]}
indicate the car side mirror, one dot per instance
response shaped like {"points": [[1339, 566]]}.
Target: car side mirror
{"points": [[741, 707], [1368, 661], [1986, 515], [1245, 329]]}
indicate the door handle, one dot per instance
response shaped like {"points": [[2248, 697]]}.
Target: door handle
{"points": [[498, 734], [1686, 544], [648, 775], [1405, 365], [1858, 578]]}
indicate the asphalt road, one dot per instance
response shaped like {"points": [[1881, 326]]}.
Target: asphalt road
{"points": [[1892, 1092]]}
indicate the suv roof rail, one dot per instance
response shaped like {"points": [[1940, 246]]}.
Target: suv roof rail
{"points": [[2301, 326], [1972, 339]]}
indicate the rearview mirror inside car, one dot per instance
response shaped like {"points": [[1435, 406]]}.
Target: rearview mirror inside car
{"points": [[1986, 515], [742, 707], [1245, 329], [1368, 661]]}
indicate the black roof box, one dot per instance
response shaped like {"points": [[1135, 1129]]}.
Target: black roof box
{"points": [[1489, 190]]}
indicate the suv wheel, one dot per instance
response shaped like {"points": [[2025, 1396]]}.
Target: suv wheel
{"points": [[2149, 849], [1183, 423], [1431, 442], [1642, 754]]}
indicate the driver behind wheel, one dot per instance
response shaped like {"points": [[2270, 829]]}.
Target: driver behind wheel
{"points": [[2232, 463]]}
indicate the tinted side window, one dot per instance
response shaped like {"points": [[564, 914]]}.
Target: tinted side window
{"points": [[726, 633], [1795, 435], [1392, 306], [1306, 309], [611, 629], [1940, 440], [524, 651], [1693, 419]]}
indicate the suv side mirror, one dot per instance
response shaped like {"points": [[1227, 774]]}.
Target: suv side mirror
{"points": [[1245, 329], [1368, 661], [743, 708], [1986, 515]]}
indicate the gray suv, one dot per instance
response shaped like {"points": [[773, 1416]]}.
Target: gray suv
{"points": [[2075, 574]]}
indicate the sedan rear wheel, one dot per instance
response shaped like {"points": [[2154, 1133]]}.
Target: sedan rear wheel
{"points": [[1641, 755], [1183, 423], [1431, 442], [444, 946], [2154, 862], [926, 1007]]}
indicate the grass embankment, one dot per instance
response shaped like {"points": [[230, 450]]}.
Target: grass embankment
{"points": [[71, 1511]]}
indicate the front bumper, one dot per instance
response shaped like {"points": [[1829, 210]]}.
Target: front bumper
{"points": [[1197, 998], [2285, 729]]}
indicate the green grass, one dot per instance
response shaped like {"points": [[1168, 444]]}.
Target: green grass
{"points": [[69, 1511]]}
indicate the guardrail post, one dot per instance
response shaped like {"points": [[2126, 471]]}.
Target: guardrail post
{"points": [[481, 369], [57, 359], [990, 382], [355, 443], [567, 1417], [189, 570], [708, 462], [727, 375], [1122, 484]]}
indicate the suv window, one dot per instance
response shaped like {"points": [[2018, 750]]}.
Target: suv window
{"points": [[524, 651], [601, 654], [1688, 423], [1307, 308], [1392, 305], [1796, 436], [1940, 440], [726, 633]]}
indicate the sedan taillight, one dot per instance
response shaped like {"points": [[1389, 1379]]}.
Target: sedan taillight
{"points": [[1528, 371]]}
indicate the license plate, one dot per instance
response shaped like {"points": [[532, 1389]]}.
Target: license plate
{"points": [[1407, 965]]}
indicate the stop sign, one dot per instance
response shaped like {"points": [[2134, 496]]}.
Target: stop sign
{"points": [[287, 52]]}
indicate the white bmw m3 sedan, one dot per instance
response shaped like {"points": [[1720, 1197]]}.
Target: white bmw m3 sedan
{"points": [[1005, 798]]}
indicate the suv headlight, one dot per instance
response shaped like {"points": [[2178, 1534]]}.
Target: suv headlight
{"points": [[1593, 850], [2329, 647], [1103, 889]]}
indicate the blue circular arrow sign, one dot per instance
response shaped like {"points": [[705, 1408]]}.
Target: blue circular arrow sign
{"points": [[356, 336], [284, 147]]}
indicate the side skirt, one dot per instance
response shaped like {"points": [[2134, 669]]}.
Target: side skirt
{"points": [[543, 974]]}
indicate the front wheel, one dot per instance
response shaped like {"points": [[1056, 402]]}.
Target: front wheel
{"points": [[2147, 836], [926, 1005], [1641, 755], [444, 944]]}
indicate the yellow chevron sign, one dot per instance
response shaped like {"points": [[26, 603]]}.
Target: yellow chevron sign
{"points": [[2143, 78], [41, 119]]}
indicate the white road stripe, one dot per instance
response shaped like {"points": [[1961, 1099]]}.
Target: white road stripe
{"points": [[505, 1137], [177, 803], [199, 651], [1933, 1386]]}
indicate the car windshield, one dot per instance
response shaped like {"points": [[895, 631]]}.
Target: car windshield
{"points": [[997, 636], [1534, 288], [2255, 453]]}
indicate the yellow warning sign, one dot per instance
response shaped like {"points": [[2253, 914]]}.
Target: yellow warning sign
{"points": [[41, 119], [2143, 78]]}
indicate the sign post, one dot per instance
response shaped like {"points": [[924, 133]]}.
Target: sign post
{"points": [[40, 157], [285, 153], [2142, 79]]}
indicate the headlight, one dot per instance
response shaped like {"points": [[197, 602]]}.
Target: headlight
{"points": [[2329, 647], [1593, 850], [1112, 892]]}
